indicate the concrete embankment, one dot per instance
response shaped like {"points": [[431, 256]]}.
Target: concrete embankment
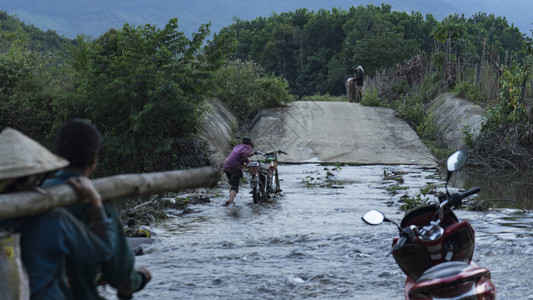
{"points": [[341, 132], [217, 127], [455, 116]]}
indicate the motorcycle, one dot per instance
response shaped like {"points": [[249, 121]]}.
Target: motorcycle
{"points": [[264, 177], [435, 249]]}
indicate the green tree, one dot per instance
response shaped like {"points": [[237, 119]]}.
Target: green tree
{"points": [[322, 39], [28, 86], [246, 88], [374, 42], [143, 86], [281, 51]]}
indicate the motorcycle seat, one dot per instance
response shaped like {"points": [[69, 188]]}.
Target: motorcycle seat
{"points": [[447, 274], [445, 269]]}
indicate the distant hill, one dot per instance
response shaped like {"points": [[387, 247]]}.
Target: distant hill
{"points": [[95, 17]]}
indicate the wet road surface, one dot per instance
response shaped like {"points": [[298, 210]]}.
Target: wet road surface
{"points": [[310, 243]]}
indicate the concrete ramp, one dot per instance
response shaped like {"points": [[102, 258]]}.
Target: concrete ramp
{"points": [[339, 132], [454, 116]]}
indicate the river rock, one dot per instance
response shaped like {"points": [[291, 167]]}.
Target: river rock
{"points": [[137, 244]]}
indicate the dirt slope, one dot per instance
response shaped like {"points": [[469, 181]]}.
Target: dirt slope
{"points": [[339, 132]]}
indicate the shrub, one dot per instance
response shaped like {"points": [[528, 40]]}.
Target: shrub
{"points": [[326, 97], [400, 87], [144, 87], [468, 137], [421, 198], [428, 127], [509, 109], [246, 88], [469, 91], [410, 109], [371, 98]]}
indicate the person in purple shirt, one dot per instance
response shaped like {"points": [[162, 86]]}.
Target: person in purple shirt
{"points": [[234, 163]]}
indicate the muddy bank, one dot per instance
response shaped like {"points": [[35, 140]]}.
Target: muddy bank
{"points": [[142, 215]]}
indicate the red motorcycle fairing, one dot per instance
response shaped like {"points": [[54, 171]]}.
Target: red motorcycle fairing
{"points": [[273, 166], [422, 215], [458, 236], [451, 280], [253, 167]]}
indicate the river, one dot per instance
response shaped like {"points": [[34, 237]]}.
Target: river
{"points": [[500, 188], [310, 243]]}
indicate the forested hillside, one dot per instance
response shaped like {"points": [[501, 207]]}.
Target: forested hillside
{"points": [[144, 86], [317, 51]]}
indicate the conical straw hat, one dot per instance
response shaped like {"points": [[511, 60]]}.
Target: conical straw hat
{"points": [[21, 156]]}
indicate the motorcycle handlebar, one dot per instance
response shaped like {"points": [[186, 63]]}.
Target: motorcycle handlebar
{"points": [[407, 234], [457, 199], [271, 152], [399, 244]]}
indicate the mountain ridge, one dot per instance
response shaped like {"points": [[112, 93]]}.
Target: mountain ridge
{"points": [[96, 17]]}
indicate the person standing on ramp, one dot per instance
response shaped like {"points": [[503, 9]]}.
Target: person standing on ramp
{"points": [[359, 79]]}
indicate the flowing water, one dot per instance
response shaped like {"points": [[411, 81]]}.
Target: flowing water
{"points": [[310, 243], [502, 188]]}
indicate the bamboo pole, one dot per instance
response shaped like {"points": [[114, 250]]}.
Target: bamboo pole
{"points": [[38, 201]]}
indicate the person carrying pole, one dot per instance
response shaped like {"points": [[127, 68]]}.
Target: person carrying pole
{"points": [[49, 239], [79, 142]]}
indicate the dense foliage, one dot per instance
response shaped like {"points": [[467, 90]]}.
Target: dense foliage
{"points": [[409, 59], [36, 40], [317, 51], [144, 86], [30, 78], [246, 89], [96, 17]]}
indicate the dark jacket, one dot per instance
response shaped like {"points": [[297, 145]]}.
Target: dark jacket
{"points": [[51, 238], [359, 77], [119, 271]]}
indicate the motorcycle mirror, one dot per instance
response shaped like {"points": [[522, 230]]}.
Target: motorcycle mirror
{"points": [[374, 217], [455, 162]]}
